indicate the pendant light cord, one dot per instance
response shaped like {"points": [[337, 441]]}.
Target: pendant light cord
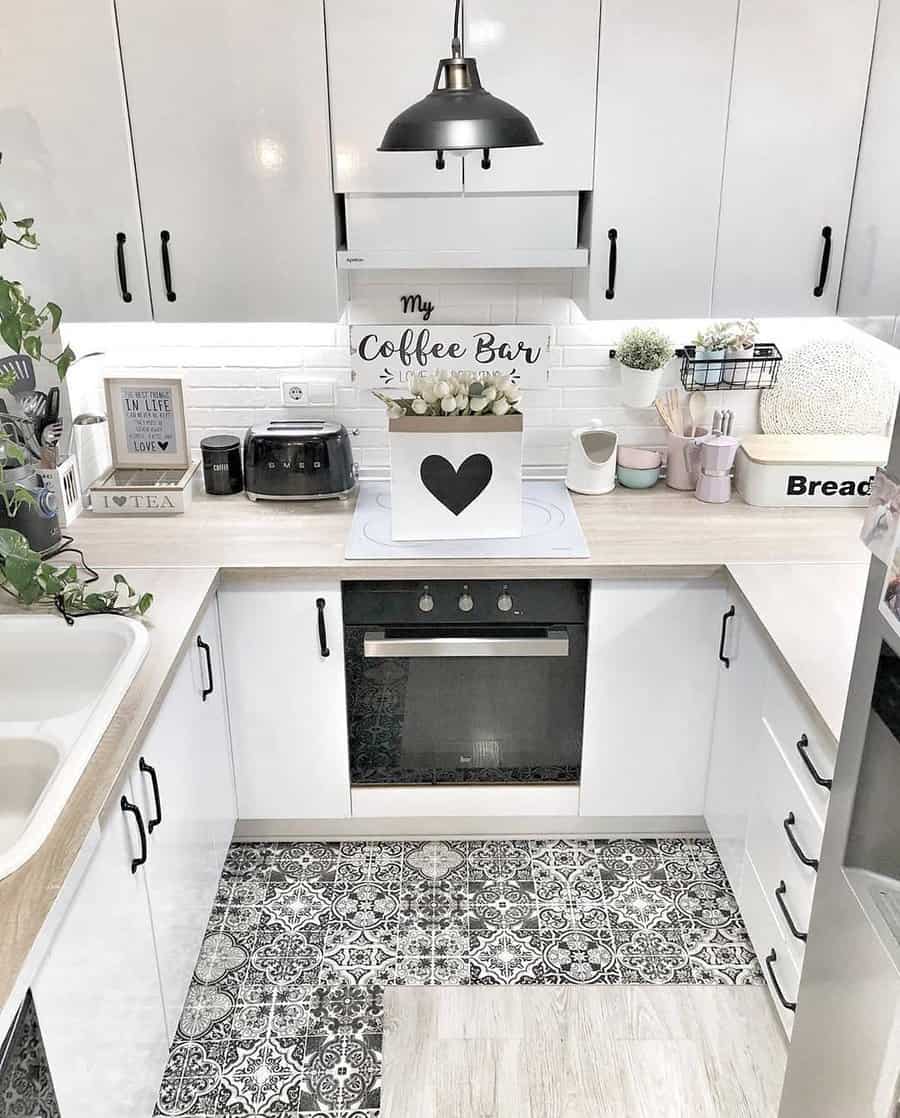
{"points": [[455, 46]]}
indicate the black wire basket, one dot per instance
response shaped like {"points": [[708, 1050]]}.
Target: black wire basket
{"points": [[728, 374]]}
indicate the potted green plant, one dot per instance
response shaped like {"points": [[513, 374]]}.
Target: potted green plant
{"points": [[642, 354], [742, 338], [709, 352]]}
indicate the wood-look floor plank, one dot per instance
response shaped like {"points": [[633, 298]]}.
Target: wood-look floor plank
{"points": [[581, 1052]]}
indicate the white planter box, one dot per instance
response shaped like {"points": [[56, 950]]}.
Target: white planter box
{"points": [[456, 478]]}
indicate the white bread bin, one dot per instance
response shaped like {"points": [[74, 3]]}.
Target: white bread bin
{"points": [[785, 471]]}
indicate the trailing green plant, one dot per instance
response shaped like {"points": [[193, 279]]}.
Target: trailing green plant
{"points": [[644, 347], [31, 580]]}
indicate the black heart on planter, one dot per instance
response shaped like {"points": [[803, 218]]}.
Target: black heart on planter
{"points": [[456, 489]]}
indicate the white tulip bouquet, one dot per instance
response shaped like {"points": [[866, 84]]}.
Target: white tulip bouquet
{"points": [[459, 394]]}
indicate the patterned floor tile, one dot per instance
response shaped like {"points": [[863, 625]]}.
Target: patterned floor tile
{"points": [[285, 1014]]}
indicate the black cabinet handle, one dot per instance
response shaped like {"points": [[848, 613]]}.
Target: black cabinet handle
{"points": [[788, 919], [126, 806], [164, 238], [207, 691], [770, 959], [788, 824], [613, 235], [819, 289], [802, 747], [120, 265], [151, 772], [726, 617], [324, 650]]}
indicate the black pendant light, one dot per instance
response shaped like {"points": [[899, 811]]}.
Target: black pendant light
{"points": [[459, 114]]}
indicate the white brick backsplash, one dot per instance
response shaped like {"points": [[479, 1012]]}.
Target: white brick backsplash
{"points": [[233, 371]]}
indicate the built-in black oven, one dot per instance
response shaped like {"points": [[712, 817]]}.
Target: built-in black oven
{"points": [[454, 682]]}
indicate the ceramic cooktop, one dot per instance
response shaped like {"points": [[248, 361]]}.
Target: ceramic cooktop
{"points": [[550, 529]]}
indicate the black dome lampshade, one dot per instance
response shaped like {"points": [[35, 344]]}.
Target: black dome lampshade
{"points": [[459, 114]]}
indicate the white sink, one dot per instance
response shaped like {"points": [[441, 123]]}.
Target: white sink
{"points": [[59, 689]]}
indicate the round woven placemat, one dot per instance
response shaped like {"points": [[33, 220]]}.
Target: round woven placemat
{"points": [[829, 387]]}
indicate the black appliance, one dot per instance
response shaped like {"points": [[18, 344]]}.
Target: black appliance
{"points": [[26, 1088], [465, 682], [298, 460]]}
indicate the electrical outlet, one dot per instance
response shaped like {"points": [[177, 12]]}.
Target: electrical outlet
{"points": [[294, 393]]}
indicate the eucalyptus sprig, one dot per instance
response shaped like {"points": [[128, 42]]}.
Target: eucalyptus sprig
{"points": [[25, 576]]}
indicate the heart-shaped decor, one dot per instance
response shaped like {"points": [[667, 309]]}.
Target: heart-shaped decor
{"points": [[456, 489], [163, 446], [120, 501]]}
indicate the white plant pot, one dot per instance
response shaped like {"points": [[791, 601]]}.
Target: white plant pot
{"points": [[458, 478], [640, 387], [708, 375]]}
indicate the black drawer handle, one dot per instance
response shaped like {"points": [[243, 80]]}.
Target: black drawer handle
{"points": [[126, 806], [613, 235], [207, 691], [770, 959], [324, 650], [788, 919], [819, 289], [120, 265], [726, 617], [151, 772], [802, 748], [164, 238], [788, 824]]}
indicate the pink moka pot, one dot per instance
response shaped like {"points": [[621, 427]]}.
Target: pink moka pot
{"points": [[716, 460]]}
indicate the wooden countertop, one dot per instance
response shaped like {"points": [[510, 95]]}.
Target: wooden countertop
{"points": [[628, 532], [629, 535]]}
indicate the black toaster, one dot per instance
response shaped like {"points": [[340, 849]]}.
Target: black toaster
{"points": [[298, 460]]}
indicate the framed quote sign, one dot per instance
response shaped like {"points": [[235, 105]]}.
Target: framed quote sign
{"points": [[147, 428]]}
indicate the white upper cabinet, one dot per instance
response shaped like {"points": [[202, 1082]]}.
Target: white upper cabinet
{"points": [[67, 162], [662, 107], [544, 62], [871, 280], [382, 57], [229, 113], [800, 73]]}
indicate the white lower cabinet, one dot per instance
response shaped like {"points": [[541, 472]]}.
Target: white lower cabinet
{"points": [[184, 788], [649, 696], [284, 662], [97, 994], [110, 991], [743, 666]]}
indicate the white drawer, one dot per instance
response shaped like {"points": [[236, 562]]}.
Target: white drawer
{"points": [[767, 938], [801, 733], [780, 798]]}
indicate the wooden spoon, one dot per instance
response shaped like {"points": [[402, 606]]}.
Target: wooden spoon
{"points": [[697, 408]]}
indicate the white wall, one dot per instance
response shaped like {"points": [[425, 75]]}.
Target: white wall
{"points": [[232, 372]]}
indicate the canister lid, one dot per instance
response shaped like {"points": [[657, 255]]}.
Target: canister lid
{"points": [[220, 443]]}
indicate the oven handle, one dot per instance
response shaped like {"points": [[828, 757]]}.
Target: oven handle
{"points": [[376, 645]]}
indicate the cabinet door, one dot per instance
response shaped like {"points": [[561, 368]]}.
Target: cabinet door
{"points": [[736, 739], [185, 762], [286, 699], [798, 93], [649, 700], [229, 112], [662, 106], [67, 162], [376, 69], [870, 284], [97, 993], [547, 68]]}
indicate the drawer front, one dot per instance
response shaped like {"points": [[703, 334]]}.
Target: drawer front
{"points": [[766, 937], [792, 721]]}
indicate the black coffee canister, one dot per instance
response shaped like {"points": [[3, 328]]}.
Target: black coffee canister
{"points": [[222, 472]]}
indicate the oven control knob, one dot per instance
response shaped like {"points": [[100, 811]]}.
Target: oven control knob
{"points": [[505, 602], [426, 603], [466, 602]]}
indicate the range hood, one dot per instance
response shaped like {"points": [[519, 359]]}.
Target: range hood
{"points": [[462, 231]]}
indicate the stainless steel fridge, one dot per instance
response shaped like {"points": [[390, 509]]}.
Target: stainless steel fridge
{"points": [[844, 1057]]}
